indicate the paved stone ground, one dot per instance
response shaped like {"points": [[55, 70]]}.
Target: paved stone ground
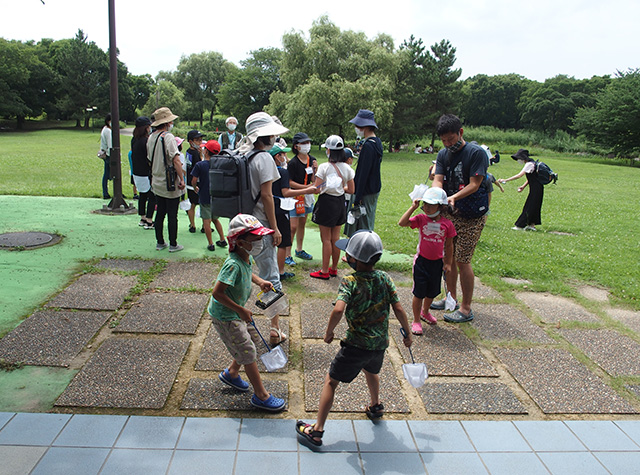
{"points": [[144, 345]]}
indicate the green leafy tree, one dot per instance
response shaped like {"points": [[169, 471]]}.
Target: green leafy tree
{"points": [[166, 94]]}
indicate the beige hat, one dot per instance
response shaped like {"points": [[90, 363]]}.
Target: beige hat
{"points": [[163, 116], [262, 124]]}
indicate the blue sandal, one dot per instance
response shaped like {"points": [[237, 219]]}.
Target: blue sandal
{"points": [[272, 403], [236, 383]]}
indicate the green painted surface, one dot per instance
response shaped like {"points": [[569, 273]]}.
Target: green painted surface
{"points": [[32, 388]]}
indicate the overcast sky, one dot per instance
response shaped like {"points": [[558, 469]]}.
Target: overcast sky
{"points": [[537, 39]]}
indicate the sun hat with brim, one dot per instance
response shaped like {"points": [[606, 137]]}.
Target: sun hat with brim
{"points": [[179, 141], [213, 146], [333, 142], [261, 124], [521, 154], [277, 148], [435, 196], [300, 137], [243, 224], [364, 118], [163, 116], [363, 246], [143, 121]]}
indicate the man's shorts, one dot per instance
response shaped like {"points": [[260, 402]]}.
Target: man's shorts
{"points": [[351, 360], [469, 231], [284, 225], [239, 338], [427, 277], [205, 212], [307, 210]]}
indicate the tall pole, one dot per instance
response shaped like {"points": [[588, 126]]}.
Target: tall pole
{"points": [[115, 162]]}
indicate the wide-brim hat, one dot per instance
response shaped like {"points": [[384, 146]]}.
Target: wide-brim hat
{"points": [[163, 116], [333, 142], [521, 154], [243, 224], [363, 246], [179, 141], [364, 118], [435, 196], [261, 124]]}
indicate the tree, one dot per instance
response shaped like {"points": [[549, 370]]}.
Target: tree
{"points": [[166, 94], [614, 121]]}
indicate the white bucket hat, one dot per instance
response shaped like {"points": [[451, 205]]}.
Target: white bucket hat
{"points": [[435, 196], [262, 124]]}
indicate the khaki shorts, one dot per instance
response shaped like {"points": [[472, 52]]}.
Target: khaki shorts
{"points": [[205, 212], [469, 231], [240, 339]]}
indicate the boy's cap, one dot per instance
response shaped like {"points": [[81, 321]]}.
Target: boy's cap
{"points": [[277, 148], [194, 134], [333, 142], [363, 246], [435, 196], [242, 224], [213, 146]]}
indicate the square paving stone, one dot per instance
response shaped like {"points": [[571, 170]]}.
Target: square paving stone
{"points": [[215, 357], [314, 315], [445, 350], [634, 387], [211, 394], [186, 275], [559, 384], [95, 292], [504, 322], [351, 397], [50, 338], [165, 312], [628, 318], [554, 309], [470, 398], [617, 354], [320, 286], [128, 373], [125, 265]]}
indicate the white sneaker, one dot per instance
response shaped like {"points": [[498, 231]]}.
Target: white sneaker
{"points": [[530, 228], [176, 248], [517, 228]]}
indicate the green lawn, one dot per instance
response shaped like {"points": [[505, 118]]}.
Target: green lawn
{"points": [[594, 206]]}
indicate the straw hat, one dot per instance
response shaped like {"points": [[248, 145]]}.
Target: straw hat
{"points": [[163, 116]]}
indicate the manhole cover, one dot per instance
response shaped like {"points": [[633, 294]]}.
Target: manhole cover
{"points": [[28, 240]]}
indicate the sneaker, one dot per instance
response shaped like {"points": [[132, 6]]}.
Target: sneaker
{"points": [[236, 383], [333, 272], [135, 197], [272, 403], [416, 328], [530, 228], [304, 255], [176, 248], [211, 247], [148, 225], [222, 243], [517, 228], [192, 229], [458, 317], [289, 261], [320, 275], [439, 305], [160, 247], [286, 275], [430, 319], [142, 223]]}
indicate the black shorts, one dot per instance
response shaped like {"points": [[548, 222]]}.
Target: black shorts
{"points": [[282, 220], [351, 360], [427, 277], [193, 196], [329, 211]]}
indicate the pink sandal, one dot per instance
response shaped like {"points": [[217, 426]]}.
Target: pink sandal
{"points": [[416, 328], [430, 319]]}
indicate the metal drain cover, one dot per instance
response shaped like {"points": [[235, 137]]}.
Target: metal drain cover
{"points": [[28, 240]]}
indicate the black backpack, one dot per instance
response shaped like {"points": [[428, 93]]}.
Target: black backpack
{"points": [[230, 184], [545, 174]]}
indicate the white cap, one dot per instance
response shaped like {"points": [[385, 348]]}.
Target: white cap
{"points": [[363, 246], [333, 142], [435, 196]]}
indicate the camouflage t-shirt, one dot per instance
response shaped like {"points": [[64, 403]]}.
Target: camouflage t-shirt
{"points": [[368, 296]]}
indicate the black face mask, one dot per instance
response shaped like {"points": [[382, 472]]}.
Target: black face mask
{"points": [[352, 262]]}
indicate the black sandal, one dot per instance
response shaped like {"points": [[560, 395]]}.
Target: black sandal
{"points": [[311, 436], [374, 412]]}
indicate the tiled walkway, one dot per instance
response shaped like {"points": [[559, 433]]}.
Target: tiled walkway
{"points": [[86, 444]]}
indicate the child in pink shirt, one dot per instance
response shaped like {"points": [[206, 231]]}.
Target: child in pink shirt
{"points": [[435, 253]]}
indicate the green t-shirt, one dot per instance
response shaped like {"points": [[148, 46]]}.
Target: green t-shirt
{"points": [[368, 296], [236, 273]]}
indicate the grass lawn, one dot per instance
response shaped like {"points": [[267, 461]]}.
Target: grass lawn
{"points": [[590, 218]]}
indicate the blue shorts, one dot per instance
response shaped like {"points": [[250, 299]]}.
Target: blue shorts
{"points": [[307, 210]]}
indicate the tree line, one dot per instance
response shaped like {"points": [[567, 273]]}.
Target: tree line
{"points": [[316, 82]]}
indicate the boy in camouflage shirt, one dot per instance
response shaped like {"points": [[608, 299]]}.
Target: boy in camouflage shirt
{"points": [[364, 298]]}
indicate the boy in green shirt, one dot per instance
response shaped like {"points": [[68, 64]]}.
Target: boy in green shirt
{"points": [[229, 316], [364, 297]]}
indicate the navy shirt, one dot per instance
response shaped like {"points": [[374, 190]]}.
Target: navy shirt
{"points": [[276, 189], [201, 172], [473, 162]]}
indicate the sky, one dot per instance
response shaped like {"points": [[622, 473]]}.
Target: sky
{"points": [[537, 39]]}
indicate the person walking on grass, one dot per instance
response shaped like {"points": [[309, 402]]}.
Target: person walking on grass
{"points": [[229, 316], [364, 298], [436, 243], [200, 183], [334, 179], [531, 212], [460, 170]]}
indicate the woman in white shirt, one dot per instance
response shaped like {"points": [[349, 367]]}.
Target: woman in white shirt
{"points": [[334, 179], [105, 144], [531, 211]]}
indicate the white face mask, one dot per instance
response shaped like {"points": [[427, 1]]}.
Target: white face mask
{"points": [[434, 214], [231, 127], [256, 248], [304, 148], [359, 132], [170, 127]]}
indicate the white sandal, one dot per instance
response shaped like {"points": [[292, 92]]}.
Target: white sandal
{"points": [[276, 340]]}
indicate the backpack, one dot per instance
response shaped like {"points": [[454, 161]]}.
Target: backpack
{"points": [[230, 184], [545, 174]]}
